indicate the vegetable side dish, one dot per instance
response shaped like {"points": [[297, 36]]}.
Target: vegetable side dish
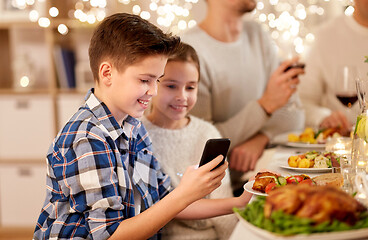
{"points": [[314, 159]]}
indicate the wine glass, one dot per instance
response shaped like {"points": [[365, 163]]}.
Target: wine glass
{"points": [[288, 53], [345, 87]]}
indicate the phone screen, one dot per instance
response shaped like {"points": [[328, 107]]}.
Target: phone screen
{"points": [[213, 148]]}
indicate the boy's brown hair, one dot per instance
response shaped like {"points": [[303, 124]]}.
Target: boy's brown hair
{"points": [[185, 53], [124, 39]]}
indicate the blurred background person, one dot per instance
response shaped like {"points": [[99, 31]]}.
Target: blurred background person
{"points": [[243, 90], [337, 55]]}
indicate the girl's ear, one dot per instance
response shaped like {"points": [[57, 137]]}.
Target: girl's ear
{"points": [[105, 73]]}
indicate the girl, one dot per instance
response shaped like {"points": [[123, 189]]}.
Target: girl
{"points": [[178, 140]]}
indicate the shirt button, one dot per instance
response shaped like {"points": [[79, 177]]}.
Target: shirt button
{"points": [[145, 152]]}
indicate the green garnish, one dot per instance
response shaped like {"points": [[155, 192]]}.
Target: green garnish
{"points": [[285, 224]]}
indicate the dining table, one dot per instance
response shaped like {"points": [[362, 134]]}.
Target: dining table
{"points": [[272, 160]]}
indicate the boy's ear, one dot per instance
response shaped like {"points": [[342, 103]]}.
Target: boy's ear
{"points": [[105, 72]]}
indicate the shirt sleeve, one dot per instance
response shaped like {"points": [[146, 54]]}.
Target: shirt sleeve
{"points": [[87, 176], [288, 118]]}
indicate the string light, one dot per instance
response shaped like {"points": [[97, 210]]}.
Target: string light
{"points": [[287, 21], [291, 23]]}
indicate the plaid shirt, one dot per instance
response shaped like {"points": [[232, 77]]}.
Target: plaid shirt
{"points": [[89, 191]]}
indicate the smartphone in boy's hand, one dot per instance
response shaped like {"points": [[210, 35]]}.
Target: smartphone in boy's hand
{"points": [[213, 148]]}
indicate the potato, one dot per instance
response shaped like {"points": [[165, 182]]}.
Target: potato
{"points": [[309, 131], [307, 138], [293, 161], [305, 163], [293, 137]]}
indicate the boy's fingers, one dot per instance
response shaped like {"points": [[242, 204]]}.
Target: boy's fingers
{"points": [[212, 164], [220, 170]]}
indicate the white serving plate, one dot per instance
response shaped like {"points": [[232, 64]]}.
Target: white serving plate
{"points": [[248, 187], [340, 235], [282, 163], [283, 139]]}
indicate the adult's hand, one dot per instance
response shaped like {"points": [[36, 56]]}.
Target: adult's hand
{"points": [[245, 156], [336, 119], [281, 86], [199, 182]]}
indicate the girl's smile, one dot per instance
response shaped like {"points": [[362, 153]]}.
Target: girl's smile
{"points": [[176, 95]]}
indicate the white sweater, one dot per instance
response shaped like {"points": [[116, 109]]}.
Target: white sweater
{"points": [[341, 41], [176, 150], [233, 77]]}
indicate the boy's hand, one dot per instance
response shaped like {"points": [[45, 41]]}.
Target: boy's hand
{"points": [[199, 182]]}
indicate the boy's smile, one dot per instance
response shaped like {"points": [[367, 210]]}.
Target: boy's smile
{"points": [[144, 103]]}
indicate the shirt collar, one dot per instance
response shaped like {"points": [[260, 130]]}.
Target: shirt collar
{"points": [[103, 114]]}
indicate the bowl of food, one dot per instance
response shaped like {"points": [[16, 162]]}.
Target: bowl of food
{"points": [[300, 211]]}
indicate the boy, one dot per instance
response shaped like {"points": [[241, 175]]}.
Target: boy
{"points": [[102, 180]]}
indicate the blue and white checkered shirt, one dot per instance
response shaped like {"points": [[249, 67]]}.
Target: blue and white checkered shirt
{"points": [[89, 189]]}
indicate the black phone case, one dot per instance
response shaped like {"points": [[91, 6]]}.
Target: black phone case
{"points": [[213, 148]]}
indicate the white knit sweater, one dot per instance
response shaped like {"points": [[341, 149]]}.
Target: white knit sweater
{"points": [[233, 77], [341, 41], [176, 150]]}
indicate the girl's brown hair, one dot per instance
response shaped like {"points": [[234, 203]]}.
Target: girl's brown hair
{"points": [[185, 53], [125, 39]]}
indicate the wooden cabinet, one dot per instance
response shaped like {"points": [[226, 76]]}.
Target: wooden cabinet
{"points": [[22, 194], [67, 105], [27, 127], [34, 107]]}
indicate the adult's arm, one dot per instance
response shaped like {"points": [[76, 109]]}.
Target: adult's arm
{"points": [[288, 118]]}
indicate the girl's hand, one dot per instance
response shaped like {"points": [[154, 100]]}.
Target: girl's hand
{"points": [[244, 198], [199, 182]]}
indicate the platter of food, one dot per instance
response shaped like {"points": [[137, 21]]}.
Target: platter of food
{"points": [[306, 212], [283, 140], [340, 235], [265, 182], [282, 163], [248, 187], [310, 162], [309, 138]]}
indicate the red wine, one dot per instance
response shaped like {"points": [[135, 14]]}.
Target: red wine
{"points": [[347, 100]]}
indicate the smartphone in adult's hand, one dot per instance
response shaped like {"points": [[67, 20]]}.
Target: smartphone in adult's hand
{"points": [[213, 148], [295, 65]]}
